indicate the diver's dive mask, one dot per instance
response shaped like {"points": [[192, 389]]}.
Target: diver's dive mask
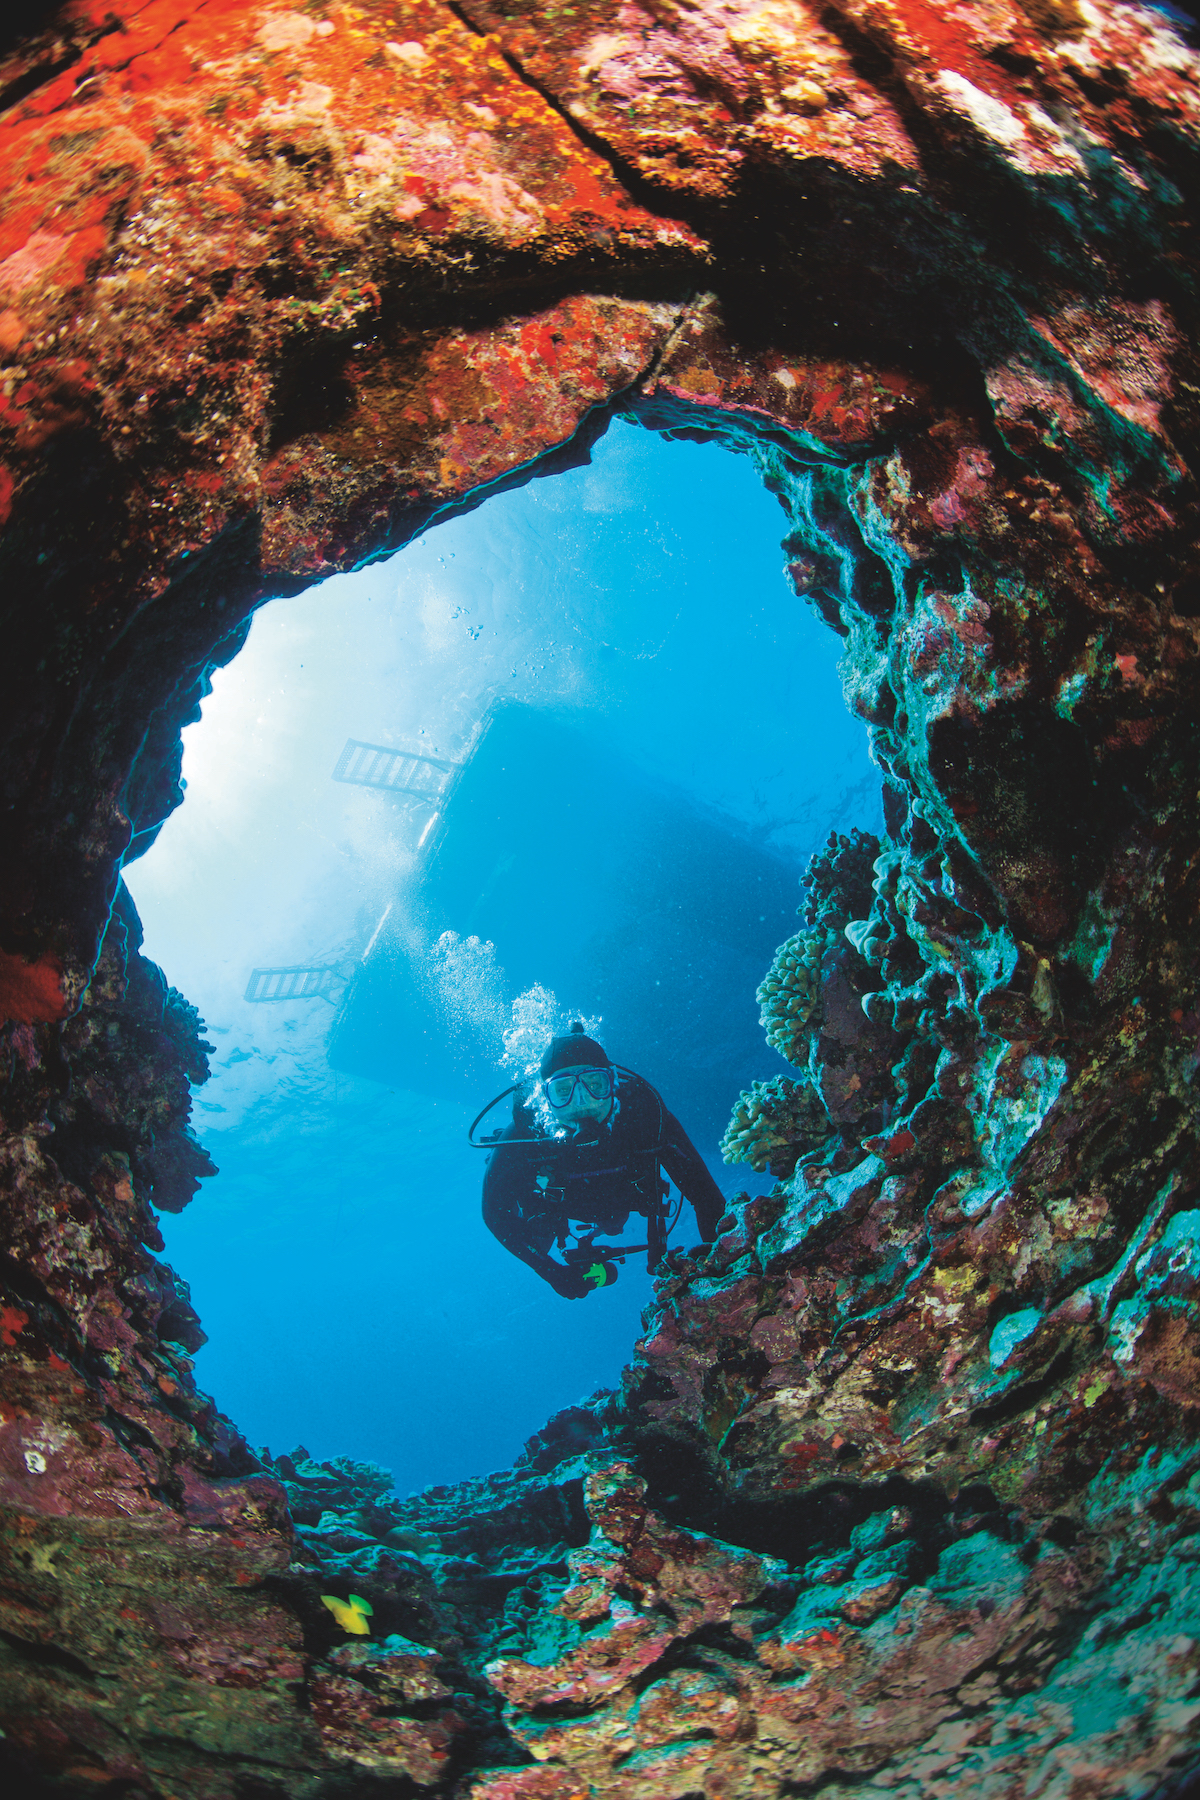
{"points": [[597, 1084]]}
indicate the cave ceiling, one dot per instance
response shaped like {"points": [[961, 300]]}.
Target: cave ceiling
{"points": [[901, 1492]]}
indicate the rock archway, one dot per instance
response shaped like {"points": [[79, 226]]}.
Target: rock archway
{"points": [[901, 1492]]}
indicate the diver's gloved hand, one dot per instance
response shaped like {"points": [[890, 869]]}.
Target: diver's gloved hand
{"points": [[581, 1278], [569, 1282]]}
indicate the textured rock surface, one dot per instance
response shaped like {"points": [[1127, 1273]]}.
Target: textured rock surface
{"points": [[902, 1489]]}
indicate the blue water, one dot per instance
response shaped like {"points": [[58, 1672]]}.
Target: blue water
{"points": [[353, 1299]]}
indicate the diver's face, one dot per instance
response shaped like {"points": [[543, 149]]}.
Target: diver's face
{"points": [[578, 1093]]}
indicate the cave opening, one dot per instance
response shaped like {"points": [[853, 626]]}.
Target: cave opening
{"points": [[902, 1493], [629, 621]]}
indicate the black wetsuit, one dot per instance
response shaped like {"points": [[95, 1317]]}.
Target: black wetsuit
{"points": [[597, 1176]]}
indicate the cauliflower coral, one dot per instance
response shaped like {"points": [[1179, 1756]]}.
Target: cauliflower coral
{"points": [[790, 992], [773, 1124]]}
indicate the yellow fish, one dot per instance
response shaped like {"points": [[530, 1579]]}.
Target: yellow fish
{"points": [[351, 1615]]}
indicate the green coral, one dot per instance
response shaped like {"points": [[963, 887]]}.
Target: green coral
{"points": [[790, 994], [773, 1124]]}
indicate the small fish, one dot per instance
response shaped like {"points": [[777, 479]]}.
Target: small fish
{"points": [[351, 1615]]}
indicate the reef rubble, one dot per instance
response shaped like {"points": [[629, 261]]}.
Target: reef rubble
{"points": [[901, 1489]]}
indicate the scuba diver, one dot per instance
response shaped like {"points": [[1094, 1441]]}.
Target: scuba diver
{"points": [[582, 1153]]}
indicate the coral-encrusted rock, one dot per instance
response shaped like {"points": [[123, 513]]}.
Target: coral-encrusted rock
{"points": [[636, 1591], [677, 1580], [902, 1670], [97, 1113], [223, 302], [289, 284], [839, 880], [362, 1700]]}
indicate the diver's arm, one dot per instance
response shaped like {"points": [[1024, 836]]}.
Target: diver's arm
{"points": [[507, 1180], [689, 1172]]}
